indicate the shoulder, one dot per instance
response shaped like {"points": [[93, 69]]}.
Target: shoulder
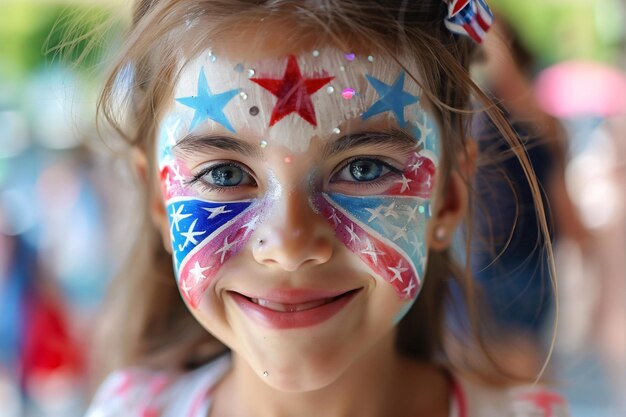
{"points": [[139, 392], [476, 399]]}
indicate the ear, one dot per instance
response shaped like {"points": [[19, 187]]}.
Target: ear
{"points": [[158, 213], [454, 200]]}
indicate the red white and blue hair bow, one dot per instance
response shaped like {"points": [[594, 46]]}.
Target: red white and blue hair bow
{"points": [[471, 18]]}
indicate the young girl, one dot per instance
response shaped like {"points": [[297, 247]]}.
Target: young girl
{"points": [[306, 164]]}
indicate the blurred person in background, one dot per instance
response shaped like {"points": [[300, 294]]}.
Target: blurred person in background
{"points": [[515, 278], [40, 364]]}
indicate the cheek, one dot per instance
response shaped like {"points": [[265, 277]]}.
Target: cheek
{"points": [[204, 234], [388, 232]]}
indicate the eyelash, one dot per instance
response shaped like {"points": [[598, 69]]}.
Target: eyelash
{"points": [[369, 184], [205, 186]]}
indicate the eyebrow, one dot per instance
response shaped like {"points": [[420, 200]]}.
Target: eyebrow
{"points": [[391, 139], [200, 143]]}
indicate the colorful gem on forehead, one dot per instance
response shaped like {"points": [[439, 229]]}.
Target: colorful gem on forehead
{"points": [[293, 92], [208, 105], [392, 98], [348, 93]]}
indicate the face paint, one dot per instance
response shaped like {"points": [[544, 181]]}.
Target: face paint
{"points": [[311, 94], [295, 99], [388, 231], [293, 92], [204, 234]]}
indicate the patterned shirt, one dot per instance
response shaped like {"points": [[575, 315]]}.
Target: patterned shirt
{"points": [[138, 392]]}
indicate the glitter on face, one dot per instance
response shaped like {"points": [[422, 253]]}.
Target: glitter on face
{"points": [[315, 53], [348, 93], [212, 58], [370, 58], [328, 105], [350, 56], [231, 74]]}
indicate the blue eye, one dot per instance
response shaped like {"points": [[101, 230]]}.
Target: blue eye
{"points": [[365, 169], [225, 176]]}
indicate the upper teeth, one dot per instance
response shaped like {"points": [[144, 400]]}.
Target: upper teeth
{"points": [[289, 308]]}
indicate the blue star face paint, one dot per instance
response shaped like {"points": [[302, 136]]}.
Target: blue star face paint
{"points": [[393, 98], [208, 105]]}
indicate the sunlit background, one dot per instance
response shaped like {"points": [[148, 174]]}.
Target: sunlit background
{"points": [[58, 205]]}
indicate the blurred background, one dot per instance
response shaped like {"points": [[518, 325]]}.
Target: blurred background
{"points": [[556, 66]]}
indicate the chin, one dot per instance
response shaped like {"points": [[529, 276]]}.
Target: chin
{"points": [[299, 361], [306, 373]]}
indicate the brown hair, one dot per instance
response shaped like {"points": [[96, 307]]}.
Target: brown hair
{"points": [[146, 322]]}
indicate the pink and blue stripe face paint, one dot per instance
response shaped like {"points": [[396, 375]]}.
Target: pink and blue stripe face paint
{"points": [[204, 234], [388, 231]]}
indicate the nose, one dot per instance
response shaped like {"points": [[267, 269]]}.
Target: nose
{"points": [[293, 236]]}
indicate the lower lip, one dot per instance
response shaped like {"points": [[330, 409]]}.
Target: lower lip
{"points": [[291, 320]]}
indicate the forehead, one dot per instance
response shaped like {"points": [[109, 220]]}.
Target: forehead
{"points": [[288, 99]]}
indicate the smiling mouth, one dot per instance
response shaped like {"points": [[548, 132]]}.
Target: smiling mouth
{"points": [[292, 308], [281, 315]]}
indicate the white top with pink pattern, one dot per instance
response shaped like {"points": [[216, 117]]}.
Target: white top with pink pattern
{"points": [[138, 392]]}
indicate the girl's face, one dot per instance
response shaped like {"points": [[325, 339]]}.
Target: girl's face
{"points": [[298, 190]]}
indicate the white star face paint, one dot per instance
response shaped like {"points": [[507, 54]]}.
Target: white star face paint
{"points": [[286, 103]]}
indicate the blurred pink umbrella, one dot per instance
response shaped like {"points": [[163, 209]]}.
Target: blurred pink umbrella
{"points": [[581, 88]]}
